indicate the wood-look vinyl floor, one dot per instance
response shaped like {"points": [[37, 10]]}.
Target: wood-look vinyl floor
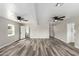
{"points": [[39, 47]]}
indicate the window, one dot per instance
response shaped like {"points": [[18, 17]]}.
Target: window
{"points": [[11, 30]]}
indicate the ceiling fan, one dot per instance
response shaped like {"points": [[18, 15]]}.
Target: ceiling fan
{"points": [[21, 18], [57, 18]]}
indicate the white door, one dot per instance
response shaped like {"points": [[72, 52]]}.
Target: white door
{"points": [[22, 32], [70, 32]]}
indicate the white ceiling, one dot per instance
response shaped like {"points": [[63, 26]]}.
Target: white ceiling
{"points": [[38, 13]]}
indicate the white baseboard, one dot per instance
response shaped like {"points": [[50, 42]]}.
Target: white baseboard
{"points": [[77, 46]]}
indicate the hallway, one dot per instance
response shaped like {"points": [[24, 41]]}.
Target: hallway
{"points": [[39, 47]]}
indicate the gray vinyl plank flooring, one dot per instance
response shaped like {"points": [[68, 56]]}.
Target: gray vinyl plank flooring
{"points": [[39, 47]]}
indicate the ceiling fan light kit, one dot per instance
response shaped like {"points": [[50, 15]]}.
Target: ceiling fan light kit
{"points": [[59, 4], [20, 18]]}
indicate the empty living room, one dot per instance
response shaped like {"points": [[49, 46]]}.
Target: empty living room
{"points": [[39, 29]]}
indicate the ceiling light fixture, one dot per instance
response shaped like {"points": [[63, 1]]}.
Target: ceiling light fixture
{"points": [[59, 4]]}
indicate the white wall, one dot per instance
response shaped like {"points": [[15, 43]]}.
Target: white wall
{"points": [[39, 32], [77, 32], [4, 39], [16, 36], [3, 32], [61, 31], [47, 10]]}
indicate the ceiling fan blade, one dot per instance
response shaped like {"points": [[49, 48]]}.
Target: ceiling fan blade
{"points": [[25, 20], [62, 17]]}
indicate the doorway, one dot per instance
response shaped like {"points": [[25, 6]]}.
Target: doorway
{"points": [[71, 33]]}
